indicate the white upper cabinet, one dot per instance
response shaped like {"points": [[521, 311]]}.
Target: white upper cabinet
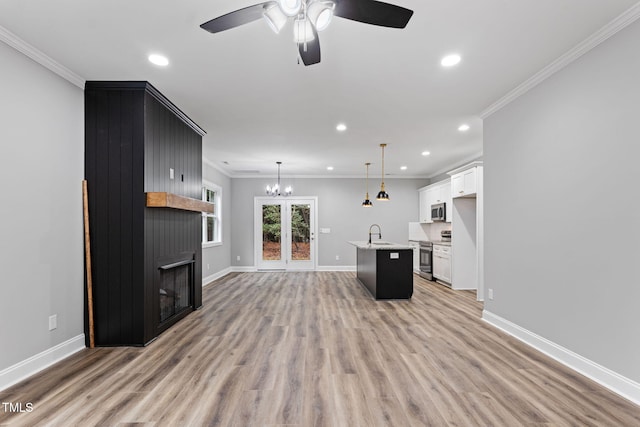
{"points": [[440, 192], [425, 206], [464, 183]]}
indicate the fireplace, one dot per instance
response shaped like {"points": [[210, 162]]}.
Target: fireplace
{"points": [[145, 226], [175, 289]]}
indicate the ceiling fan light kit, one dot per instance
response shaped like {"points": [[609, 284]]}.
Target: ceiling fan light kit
{"points": [[274, 17], [302, 31], [312, 16], [320, 13], [290, 7]]}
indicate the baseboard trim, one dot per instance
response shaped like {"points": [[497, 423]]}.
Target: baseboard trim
{"points": [[215, 276], [615, 382], [252, 269], [336, 268], [28, 367], [247, 269]]}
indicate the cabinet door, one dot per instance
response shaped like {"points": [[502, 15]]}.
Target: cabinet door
{"points": [[470, 182], [445, 194], [442, 263], [438, 265], [430, 200], [425, 206], [464, 183], [445, 273], [457, 185]]}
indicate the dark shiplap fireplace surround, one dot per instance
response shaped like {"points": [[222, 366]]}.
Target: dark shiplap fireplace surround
{"points": [[143, 166]]}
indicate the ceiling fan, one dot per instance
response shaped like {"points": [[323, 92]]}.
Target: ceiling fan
{"points": [[311, 16]]}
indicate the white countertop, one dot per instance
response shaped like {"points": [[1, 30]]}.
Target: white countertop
{"points": [[378, 244]]}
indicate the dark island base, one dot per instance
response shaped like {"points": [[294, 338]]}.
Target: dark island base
{"points": [[386, 274]]}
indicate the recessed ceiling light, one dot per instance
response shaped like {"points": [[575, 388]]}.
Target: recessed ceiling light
{"points": [[463, 128], [403, 168], [158, 60], [329, 168], [450, 60], [341, 127], [425, 153]]}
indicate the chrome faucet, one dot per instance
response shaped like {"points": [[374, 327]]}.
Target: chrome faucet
{"points": [[379, 232]]}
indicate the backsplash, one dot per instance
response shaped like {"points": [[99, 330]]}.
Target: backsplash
{"points": [[433, 230], [420, 231]]}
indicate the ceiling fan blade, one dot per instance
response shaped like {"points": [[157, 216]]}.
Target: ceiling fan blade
{"points": [[312, 54], [236, 18], [373, 12]]}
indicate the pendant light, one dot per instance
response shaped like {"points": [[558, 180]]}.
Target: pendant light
{"points": [[275, 189], [382, 194], [367, 203]]}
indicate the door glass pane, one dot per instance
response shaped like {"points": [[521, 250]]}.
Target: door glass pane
{"points": [[300, 232], [271, 231]]}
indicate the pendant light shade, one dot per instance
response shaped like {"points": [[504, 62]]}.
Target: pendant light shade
{"points": [[367, 203], [382, 194]]}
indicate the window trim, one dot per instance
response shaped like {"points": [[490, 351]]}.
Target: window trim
{"points": [[208, 185]]}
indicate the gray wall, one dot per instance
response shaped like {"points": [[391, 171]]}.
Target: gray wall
{"points": [[41, 254], [339, 208], [217, 258], [562, 214]]}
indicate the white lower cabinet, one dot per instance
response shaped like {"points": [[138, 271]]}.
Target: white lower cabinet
{"points": [[442, 263]]}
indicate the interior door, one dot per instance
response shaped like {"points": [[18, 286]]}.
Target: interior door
{"points": [[285, 232]]}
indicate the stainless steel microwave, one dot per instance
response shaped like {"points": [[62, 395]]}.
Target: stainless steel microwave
{"points": [[438, 212]]}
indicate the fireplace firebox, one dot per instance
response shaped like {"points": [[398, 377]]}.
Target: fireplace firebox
{"points": [[176, 284]]}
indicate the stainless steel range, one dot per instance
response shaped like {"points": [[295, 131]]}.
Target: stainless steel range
{"points": [[426, 260]]}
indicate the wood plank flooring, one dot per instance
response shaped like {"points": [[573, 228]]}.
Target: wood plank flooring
{"points": [[314, 349]]}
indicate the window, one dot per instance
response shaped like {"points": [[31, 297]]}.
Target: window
{"points": [[212, 222]]}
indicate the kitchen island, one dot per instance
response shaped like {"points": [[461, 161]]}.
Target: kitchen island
{"points": [[385, 269]]}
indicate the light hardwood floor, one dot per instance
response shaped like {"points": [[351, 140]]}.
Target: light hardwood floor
{"points": [[314, 349]]}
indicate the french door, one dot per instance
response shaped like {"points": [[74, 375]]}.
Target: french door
{"points": [[285, 231]]}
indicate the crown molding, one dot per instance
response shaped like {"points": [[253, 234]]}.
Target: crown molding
{"points": [[216, 167], [41, 58], [294, 176], [464, 161], [624, 20]]}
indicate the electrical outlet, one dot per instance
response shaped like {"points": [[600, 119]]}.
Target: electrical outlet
{"points": [[208, 267], [337, 257], [53, 322], [238, 258], [491, 294], [171, 173]]}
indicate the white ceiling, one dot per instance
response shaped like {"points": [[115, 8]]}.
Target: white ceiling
{"points": [[258, 105]]}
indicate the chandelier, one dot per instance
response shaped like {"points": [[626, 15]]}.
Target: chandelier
{"points": [[274, 190]]}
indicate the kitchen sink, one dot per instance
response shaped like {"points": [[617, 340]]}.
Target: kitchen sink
{"points": [[381, 243]]}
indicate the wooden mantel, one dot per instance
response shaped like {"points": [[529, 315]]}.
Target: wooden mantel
{"points": [[174, 201]]}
